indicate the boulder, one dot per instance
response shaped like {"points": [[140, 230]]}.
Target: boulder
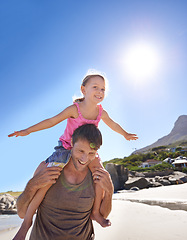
{"points": [[151, 180], [179, 176], [122, 175], [158, 178], [119, 175], [155, 184], [172, 180], [139, 182], [137, 174], [158, 173], [134, 189], [164, 182], [7, 204]]}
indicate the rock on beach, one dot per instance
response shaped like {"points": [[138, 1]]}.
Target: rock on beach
{"points": [[7, 204], [124, 179]]}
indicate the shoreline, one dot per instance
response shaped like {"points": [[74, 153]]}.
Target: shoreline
{"points": [[161, 196], [134, 216], [165, 204]]}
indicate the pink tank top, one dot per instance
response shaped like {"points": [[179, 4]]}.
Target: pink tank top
{"points": [[73, 123]]}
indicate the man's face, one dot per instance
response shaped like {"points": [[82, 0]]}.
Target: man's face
{"points": [[82, 154]]}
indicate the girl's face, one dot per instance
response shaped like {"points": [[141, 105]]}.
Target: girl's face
{"points": [[94, 90]]}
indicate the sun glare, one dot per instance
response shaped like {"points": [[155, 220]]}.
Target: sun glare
{"points": [[141, 61]]}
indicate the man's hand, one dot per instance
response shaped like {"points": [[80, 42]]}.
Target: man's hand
{"points": [[44, 175], [102, 177]]}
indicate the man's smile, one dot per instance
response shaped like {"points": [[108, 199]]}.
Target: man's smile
{"points": [[81, 162]]}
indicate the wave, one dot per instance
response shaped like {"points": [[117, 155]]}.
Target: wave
{"points": [[9, 222]]}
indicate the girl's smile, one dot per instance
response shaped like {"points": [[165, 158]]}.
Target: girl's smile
{"points": [[94, 89]]}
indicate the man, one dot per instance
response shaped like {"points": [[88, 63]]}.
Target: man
{"points": [[65, 211]]}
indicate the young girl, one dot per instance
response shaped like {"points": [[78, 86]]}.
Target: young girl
{"points": [[84, 110]]}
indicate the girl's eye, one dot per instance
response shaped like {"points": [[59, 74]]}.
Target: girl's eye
{"points": [[103, 90]]}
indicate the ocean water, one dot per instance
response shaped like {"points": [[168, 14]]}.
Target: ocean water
{"points": [[8, 222]]}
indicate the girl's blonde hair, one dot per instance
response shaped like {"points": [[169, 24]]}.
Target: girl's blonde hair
{"points": [[90, 74]]}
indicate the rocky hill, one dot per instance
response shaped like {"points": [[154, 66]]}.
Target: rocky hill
{"points": [[177, 134]]}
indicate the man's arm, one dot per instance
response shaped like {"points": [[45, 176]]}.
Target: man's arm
{"points": [[25, 198], [102, 177], [43, 176]]}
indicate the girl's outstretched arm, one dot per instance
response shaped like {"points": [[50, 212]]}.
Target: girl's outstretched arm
{"points": [[116, 127], [47, 123]]}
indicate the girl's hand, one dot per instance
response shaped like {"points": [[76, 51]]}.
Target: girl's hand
{"points": [[130, 136], [19, 133]]}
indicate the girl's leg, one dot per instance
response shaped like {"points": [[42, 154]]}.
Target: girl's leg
{"points": [[33, 206], [99, 193]]}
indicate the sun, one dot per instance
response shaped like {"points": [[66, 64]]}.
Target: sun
{"points": [[142, 61]]}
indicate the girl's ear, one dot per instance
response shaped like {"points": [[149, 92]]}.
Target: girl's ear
{"points": [[83, 90], [71, 142]]}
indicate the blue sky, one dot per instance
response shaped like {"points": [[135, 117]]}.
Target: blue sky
{"points": [[46, 49]]}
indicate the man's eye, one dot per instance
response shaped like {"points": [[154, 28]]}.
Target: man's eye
{"points": [[92, 154]]}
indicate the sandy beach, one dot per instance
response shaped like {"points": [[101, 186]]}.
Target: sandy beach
{"points": [[138, 221]]}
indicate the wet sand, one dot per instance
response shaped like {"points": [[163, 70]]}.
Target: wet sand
{"points": [[133, 220]]}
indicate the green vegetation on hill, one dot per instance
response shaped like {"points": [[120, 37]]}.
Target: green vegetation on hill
{"points": [[177, 144], [13, 194], [159, 167], [135, 160]]}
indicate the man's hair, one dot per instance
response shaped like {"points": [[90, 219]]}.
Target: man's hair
{"points": [[90, 133]]}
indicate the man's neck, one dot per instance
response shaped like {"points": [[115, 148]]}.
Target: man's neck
{"points": [[72, 175]]}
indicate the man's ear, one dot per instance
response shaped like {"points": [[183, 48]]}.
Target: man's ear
{"points": [[83, 89]]}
